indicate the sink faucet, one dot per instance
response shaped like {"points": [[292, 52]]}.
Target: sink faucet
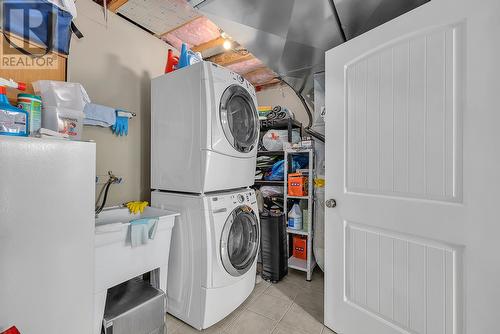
{"points": [[105, 189]]}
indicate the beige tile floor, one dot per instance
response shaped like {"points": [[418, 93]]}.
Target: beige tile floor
{"points": [[292, 306]]}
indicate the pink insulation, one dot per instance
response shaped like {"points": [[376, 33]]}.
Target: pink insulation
{"points": [[194, 33], [246, 66], [260, 76]]}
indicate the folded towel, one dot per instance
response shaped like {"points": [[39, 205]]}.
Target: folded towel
{"points": [[142, 230], [96, 114]]}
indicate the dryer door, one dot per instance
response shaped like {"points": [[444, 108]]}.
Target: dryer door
{"points": [[240, 241], [239, 118]]}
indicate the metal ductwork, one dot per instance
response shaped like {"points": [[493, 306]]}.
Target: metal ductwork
{"points": [[291, 36]]}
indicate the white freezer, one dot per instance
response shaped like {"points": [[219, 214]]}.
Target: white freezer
{"points": [[47, 191]]}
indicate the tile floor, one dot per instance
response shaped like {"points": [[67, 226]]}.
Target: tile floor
{"points": [[292, 306]]}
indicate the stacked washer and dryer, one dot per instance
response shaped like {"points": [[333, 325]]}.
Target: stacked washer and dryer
{"points": [[204, 139]]}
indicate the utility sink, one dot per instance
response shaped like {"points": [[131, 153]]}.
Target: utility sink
{"points": [[116, 261]]}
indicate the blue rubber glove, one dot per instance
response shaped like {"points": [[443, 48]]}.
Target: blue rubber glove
{"points": [[121, 125]]}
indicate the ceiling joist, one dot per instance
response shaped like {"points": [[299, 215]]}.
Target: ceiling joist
{"points": [[230, 58], [209, 45], [115, 4]]}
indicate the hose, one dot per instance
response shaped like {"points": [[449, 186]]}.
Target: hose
{"points": [[308, 129], [105, 189]]}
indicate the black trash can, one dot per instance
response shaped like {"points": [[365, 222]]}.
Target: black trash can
{"points": [[273, 247]]}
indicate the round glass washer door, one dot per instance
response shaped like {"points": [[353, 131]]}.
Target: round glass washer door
{"points": [[240, 241], [239, 118]]}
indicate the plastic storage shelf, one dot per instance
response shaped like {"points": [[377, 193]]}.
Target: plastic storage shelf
{"points": [[295, 263]]}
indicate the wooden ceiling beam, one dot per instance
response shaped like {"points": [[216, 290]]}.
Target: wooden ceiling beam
{"points": [[208, 45], [230, 58], [258, 71], [113, 5], [272, 83]]}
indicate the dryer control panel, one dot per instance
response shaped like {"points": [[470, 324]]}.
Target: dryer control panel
{"points": [[229, 76]]}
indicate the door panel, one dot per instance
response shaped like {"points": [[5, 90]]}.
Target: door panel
{"points": [[412, 162], [400, 279], [403, 135]]}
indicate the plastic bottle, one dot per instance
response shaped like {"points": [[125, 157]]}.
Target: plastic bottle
{"points": [[295, 217], [13, 121], [172, 61], [32, 104], [183, 58]]}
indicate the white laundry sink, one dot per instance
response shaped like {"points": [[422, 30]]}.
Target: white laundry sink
{"points": [[116, 261]]}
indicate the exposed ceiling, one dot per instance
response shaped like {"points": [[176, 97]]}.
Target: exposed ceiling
{"points": [[177, 22], [272, 40]]}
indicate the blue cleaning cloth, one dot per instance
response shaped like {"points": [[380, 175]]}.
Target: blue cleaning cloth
{"points": [[142, 230], [96, 114], [120, 128]]}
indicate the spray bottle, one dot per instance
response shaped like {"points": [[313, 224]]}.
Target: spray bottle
{"points": [[13, 121]]}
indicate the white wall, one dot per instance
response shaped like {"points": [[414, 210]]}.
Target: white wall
{"points": [[115, 62], [283, 96]]}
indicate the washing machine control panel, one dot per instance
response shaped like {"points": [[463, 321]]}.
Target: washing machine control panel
{"points": [[219, 203], [241, 198]]}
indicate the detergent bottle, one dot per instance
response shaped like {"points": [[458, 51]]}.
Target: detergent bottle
{"points": [[13, 121], [295, 217]]}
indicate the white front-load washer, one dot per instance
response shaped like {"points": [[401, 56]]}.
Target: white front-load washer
{"points": [[213, 253], [204, 128]]}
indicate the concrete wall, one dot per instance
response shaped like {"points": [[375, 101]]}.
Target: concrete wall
{"points": [[115, 62], [285, 97]]}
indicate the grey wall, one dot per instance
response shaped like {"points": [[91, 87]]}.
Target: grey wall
{"points": [[115, 62], [285, 97]]}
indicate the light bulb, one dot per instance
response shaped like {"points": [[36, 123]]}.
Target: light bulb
{"points": [[227, 44]]}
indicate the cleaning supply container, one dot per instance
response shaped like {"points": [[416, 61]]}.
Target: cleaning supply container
{"points": [[300, 247], [297, 184], [134, 307], [13, 121], [32, 104], [63, 120], [63, 106], [295, 217]]}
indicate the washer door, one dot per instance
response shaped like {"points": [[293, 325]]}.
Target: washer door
{"points": [[239, 118], [240, 241]]}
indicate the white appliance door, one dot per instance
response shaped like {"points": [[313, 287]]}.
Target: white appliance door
{"points": [[239, 242], [412, 161], [239, 119], [47, 190]]}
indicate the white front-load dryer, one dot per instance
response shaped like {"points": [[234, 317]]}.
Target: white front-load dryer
{"points": [[213, 254], [204, 130]]}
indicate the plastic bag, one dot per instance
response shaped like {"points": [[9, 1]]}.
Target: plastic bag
{"points": [[277, 172], [273, 139], [68, 95]]}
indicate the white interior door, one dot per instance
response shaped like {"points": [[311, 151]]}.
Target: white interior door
{"points": [[412, 160]]}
